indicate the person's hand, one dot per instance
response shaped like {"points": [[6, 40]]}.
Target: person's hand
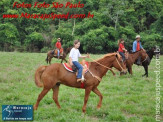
{"points": [[88, 56], [71, 64], [144, 50]]}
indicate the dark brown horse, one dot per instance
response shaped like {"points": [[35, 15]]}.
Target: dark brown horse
{"points": [[147, 60], [50, 77], [50, 55], [132, 57]]}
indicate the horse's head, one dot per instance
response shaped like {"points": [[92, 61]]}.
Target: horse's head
{"points": [[68, 50], [119, 64], [143, 53]]}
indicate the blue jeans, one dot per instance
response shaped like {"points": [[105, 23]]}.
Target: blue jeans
{"points": [[80, 69], [123, 56]]}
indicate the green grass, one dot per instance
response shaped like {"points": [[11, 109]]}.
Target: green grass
{"points": [[126, 98]]}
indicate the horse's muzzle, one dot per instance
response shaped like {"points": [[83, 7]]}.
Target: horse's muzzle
{"points": [[124, 72]]}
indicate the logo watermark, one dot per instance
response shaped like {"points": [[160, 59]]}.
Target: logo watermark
{"points": [[17, 112], [158, 85]]}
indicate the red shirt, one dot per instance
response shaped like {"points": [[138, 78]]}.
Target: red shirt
{"points": [[58, 45], [138, 46], [121, 46]]}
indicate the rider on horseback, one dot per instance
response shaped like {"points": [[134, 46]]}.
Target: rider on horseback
{"points": [[122, 49], [58, 46], [73, 59], [137, 47]]}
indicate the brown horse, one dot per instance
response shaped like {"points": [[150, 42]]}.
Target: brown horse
{"points": [[132, 57], [54, 75], [50, 55]]}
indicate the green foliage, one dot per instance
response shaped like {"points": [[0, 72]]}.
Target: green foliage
{"points": [[33, 41], [45, 49], [9, 36]]}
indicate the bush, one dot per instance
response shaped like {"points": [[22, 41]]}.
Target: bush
{"points": [[45, 49]]}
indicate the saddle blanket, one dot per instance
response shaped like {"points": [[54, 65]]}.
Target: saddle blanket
{"points": [[69, 68]]}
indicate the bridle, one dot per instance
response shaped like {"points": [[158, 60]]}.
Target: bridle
{"points": [[103, 65], [98, 78], [122, 69]]}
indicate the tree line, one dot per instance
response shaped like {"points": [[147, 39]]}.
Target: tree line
{"points": [[113, 19]]}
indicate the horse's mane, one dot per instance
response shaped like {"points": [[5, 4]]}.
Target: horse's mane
{"points": [[107, 55], [134, 52]]}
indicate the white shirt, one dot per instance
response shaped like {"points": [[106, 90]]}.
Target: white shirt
{"points": [[74, 54]]}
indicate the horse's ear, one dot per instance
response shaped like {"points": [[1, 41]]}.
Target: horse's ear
{"points": [[116, 56]]}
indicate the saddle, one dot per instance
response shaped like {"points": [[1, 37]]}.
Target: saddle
{"points": [[56, 52], [126, 55], [85, 65], [74, 68]]}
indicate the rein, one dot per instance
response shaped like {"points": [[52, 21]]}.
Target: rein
{"points": [[98, 78], [109, 67], [103, 66], [145, 59], [120, 65]]}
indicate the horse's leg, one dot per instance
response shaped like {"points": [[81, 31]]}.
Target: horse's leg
{"points": [[46, 59], [130, 69], [96, 91], [55, 95], [41, 95], [61, 60], [50, 60], [145, 71], [65, 60], [87, 93]]}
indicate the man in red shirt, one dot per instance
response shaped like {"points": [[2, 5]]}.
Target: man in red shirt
{"points": [[137, 47], [58, 45]]}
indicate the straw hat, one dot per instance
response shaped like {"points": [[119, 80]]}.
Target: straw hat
{"points": [[59, 39], [138, 36]]}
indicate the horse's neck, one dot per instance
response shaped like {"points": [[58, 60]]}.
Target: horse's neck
{"points": [[150, 54], [100, 70], [135, 56]]}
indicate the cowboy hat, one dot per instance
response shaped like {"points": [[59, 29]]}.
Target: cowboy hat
{"points": [[59, 39], [138, 36]]}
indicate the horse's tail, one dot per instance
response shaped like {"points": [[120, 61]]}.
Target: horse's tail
{"points": [[46, 59], [38, 74]]}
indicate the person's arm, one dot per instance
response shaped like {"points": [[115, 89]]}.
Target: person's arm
{"points": [[70, 59], [141, 46], [60, 45], [56, 45], [80, 56], [84, 56], [134, 47], [123, 48]]}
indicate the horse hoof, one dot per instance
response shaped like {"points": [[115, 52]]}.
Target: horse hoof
{"points": [[98, 107], [34, 108], [84, 111]]}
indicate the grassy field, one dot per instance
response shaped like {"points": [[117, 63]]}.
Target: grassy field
{"points": [[126, 98]]}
